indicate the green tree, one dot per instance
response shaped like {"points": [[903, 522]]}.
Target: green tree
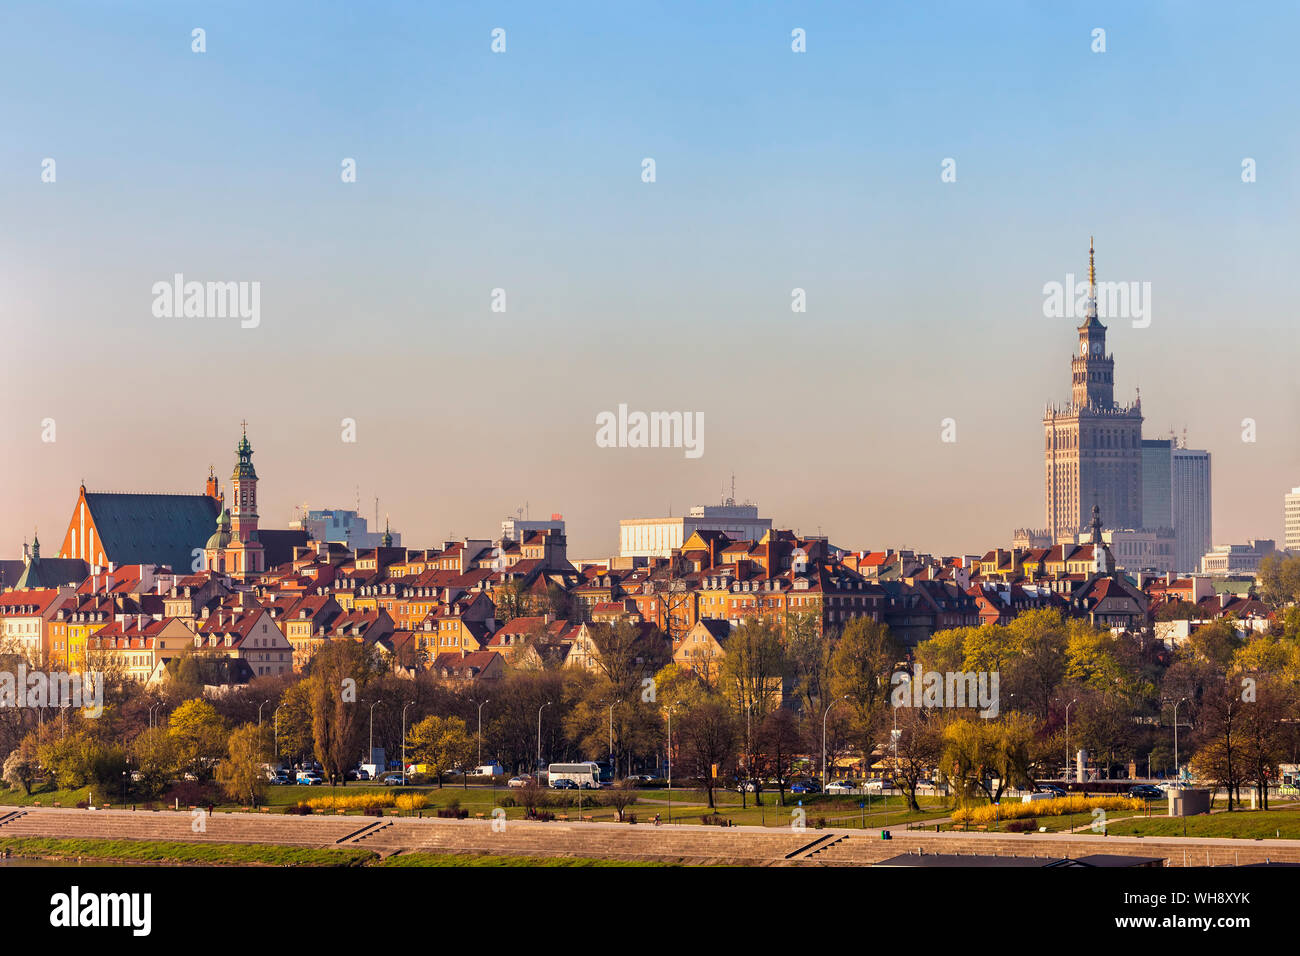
{"points": [[242, 773], [443, 743], [199, 735]]}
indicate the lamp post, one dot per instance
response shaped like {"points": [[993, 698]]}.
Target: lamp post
{"points": [[539, 740], [669, 755], [1177, 766], [611, 738], [1067, 735], [410, 704], [370, 758], [824, 716], [151, 710], [259, 711], [276, 718], [480, 733]]}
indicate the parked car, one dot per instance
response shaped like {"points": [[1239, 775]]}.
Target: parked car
{"points": [[391, 779], [356, 774], [564, 784], [639, 778], [517, 782], [310, 778], [841, 786], [1146, 791], [279, 778], [805, 786], [1053, 788], [874, 786]]}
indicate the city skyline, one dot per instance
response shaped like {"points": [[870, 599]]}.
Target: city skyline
{"points": [[819, 171]]}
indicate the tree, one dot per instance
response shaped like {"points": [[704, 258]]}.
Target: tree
{"points": [[21, 766], [621, 796], [707, 735], [864, 659], [292, 722], [242, 774], [779, 741], [340, 673], [441, 742], [754, 669], [157, 760], [199, 735], [918, 749], [809, 656], [625, 651], [1221, 757]]}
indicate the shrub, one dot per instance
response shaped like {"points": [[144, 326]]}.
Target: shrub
{"points": [[1061, 806], [713, 820], [411, 801], [1022, 826]]}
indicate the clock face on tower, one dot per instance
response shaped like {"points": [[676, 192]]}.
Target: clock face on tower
{"points": [[1083, 349]]}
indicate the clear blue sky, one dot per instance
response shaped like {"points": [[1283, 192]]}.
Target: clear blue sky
{"points": [[521, 170]]}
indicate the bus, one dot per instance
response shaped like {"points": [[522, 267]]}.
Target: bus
{"points": [[586, 774]]}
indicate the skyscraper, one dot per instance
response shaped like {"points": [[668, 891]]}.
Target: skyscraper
{"points": [[1190, 491], [1157, 483], [1291, 540], [1093, 454]]}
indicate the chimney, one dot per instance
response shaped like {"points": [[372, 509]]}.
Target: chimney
{"points": [[1223, 600]]}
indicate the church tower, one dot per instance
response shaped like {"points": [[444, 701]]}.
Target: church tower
{"points": [[1093, 451], [247, 549]]}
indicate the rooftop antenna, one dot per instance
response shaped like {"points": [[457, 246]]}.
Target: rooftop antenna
{"points": [[376, 511]]}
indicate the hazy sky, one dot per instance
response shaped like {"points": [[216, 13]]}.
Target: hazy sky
{"points": [[522, 171]]}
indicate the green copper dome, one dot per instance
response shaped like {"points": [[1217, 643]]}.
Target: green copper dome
{"points": [[244, 466], [221, 537]]}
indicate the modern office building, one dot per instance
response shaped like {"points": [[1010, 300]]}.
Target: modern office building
{"points": [[345, 527], [1291, 508], [659, 537], [1190, 493], [1157, 482]]}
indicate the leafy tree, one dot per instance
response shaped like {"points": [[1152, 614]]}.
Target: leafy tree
{"points": [[157, 760], [241, 774], [443, 743], [199, 735], [22, 765], [754, 669], [780, 740], [340, 673]]}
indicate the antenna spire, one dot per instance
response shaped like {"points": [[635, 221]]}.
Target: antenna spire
{"points": [[1092, 264]]}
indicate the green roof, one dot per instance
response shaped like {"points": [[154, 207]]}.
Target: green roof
{"points": [[152, 529]]}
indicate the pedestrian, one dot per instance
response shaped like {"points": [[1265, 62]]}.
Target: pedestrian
{"points": [[209, 809]]}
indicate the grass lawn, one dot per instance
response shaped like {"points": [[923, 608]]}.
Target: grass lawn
{"points": [[466, 859], [47, 798], [1239, 824], [162, 851]]}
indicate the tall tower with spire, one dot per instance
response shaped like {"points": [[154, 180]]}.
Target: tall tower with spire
{"points": [[1093, 451], [247, 553]]}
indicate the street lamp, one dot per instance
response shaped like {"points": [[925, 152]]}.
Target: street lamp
{"points": [[1177, 766], [259, 711], [480, 733], [669, 754], [276, 717], [824, 716], [611, 737], [151, 710], [539, 740], [1067, 736], [410, 704], [370, 757]]}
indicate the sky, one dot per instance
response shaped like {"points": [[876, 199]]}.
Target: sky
{"points": [[522, 171]]}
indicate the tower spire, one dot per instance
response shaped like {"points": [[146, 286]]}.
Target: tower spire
{"points": [[1092, 265]]}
